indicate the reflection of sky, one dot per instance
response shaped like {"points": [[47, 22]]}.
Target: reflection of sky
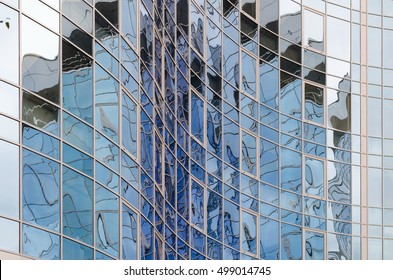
{"points": [[9, 39], [33, 37], [288, 7]]}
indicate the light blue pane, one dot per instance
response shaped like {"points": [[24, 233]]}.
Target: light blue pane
{"points": [[107, 60], [129, 170], [40, 244], [269, 244], [231, 224], [197, 117], [248, 74], [197, 205], [40, 142], [291, 170], [129, 124], [129, 234], [314, 246], [77, 133], [249, 153], [291, 240], [106, 104], [269, 162], [77, 206], [40, 191], [107, 221], [76, 251], [314, 176], [77, 160], [249, 233], [107, 177], [107, 152]]}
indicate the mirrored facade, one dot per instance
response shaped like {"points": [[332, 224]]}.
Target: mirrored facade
{"points": [[196, 129]]}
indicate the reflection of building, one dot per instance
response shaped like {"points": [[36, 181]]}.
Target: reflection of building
{"points": [[249, 129]]}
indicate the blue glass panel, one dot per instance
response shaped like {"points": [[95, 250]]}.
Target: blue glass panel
{"points": [[248, 74], [231, 176], [76, 251], [230, 254], [130, 194], [268, 133], [77, 133], [107, 152], [169, 253], [339, 184], [315, 223], [147, 209], [147, 185], [77, 160], [183, 250], [291, 170], [182, 192], [40, 141], [214, 166], [268, 194], [314, 149], [107, 221], [314, 245], [129, 83], [77, 83], [198, 240], [249, 153], [230, 60], [106, 60], [231, 224], [315, 133], [147, 247], [106, 34], [291, 217], [129, 20], [129, 124], [291, 142], [269, 162], [231, 142], [268, 81], [268, 210], [314, 176], [197, 117], [183, 229], [77, 206], [146, 145], [249, 202], [269, 244], [249, 233], [291, 126], [339, 247], [214, 215], [40, 244], [107, 177], [40, 190], [129, 170], [214, 249], [101, 256], [291, 201], [232, 194], [197, 205], [268, 117], [129, 234], [291, 240], [106, 103], [315, 207]]}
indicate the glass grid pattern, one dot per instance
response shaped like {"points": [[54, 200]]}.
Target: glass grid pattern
{"points": [[216, 129]]}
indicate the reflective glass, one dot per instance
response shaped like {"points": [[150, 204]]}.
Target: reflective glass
{"points": [[40, 113], [249, 71], [129, 233], [147, 248], [129, 58], [76, 251], [249, 233], [77, 206], [9, 100], [77, 36], [291, 21], [107, 152], [339, 181], [107, 177], [40, 63], [231, 142], [106, 34], [40, 190], [291, 95], [129, 124], [9, 183], [9, 52], [109, 8], [77, 83], [314, 177], [214, 215], [339, 109], [268, 10], [129, 170], [9, 129], [291, 170], [314, 103], [77, 159], [40, 142], [249, 153], [77, 133], [231, 224], [107, 104], [197, 117], [315, 133], [107, 221], [35, 9], [338, 38], [129, 20], [268, 81], [313, 30], [40, 244], [314, 246], [197, 205], [80, 13], [106, 60], [269, 162], [291, 240], [9, 238]]}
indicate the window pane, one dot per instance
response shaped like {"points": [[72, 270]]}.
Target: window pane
{"points": [[76, 251], [314, 246], [9, 236], [35, 9], [129, 233], [77, 206], [40, 62], [40, 142], [77, 133], [129, 26], [109, 8], [9, 42], [40, 190], [80, 13], [9, 129], [40, 244], [313, 30]]}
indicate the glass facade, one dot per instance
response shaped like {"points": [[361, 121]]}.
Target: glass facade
{"points": [[196, 129]]}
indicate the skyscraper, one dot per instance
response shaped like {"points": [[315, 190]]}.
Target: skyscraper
{"points": [[196, 129]]}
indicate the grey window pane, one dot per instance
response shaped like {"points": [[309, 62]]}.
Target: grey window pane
{"points": [[77, 36], [338, 38], [291, 21], [9, 99], [109, 8], [40, 113], [269, 14], [80, 13], [9, 129], [40, 191], [40, 63], [129, 20], [40, 244], [107, 35], [77, 206], [35, 9], [9, 41], [9, 182], [313, 30]]}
